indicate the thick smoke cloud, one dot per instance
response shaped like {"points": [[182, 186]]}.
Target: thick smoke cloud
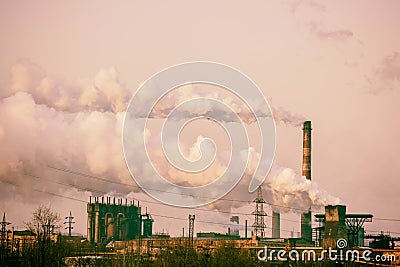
{"points": [[286, 190], [77, 126], [104, 93], [44, 122], [203, 107], [34, 136]]}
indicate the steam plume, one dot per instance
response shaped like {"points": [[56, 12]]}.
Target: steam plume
{"points": [[44, 121]]}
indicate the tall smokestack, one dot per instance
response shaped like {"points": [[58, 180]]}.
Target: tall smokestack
{"points": [[276, 225], [306, 170], [245, 229], [306, 232]]}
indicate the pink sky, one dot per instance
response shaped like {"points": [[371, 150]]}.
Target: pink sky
{"points": [[336, 63]]}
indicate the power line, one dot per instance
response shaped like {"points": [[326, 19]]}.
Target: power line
{"points": [[169, 192], [142, 200], [159, 215], [80, 200], [147, 201], [377, 231], [158, 203], [386, 219]]}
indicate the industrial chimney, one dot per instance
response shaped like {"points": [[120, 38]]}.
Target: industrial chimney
{"points": [[306, 232], [306, 170], [276, 224]]}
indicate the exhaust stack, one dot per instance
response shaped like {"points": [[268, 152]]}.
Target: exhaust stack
{"points": [[306, 232], [306, 170], [276, 225]]}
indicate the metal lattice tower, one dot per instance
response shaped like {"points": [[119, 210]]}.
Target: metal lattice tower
{"points": [[69, 222], [191, 228], [4, 224], [259, 214]]}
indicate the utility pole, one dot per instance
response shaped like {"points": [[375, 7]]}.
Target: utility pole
{"points": [[70, 222], [191, 228]]}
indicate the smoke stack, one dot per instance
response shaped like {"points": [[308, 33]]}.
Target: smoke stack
{"points": [[276, 225], [245, 229], [306, 170], [306, 232]]}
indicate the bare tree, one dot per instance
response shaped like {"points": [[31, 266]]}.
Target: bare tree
{"points": [[44, 221]]}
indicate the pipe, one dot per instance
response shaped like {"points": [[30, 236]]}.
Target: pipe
{"points": [[96, 227], [89, 228], [109, 225]]}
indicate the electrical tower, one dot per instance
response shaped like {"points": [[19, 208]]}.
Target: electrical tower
{"points": [[4, 223], [70, 223], [48, 229], [191, 228], [259, 214]]}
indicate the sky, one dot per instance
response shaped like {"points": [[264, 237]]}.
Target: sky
{"points": [[68, 70]]}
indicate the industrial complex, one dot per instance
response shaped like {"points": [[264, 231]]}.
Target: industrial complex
{"points": [[116, 221], [119, 226]]}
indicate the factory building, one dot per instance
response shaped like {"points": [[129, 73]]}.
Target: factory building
{"points": [[336, 224], [147, 225], [111, 221]]}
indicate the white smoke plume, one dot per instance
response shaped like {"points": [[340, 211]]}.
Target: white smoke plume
{"points": [[287, 117], [203, 107], [104, 93], [78, 126], [44, 122], [283, 188]]}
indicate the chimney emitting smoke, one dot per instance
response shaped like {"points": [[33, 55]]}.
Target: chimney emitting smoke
{"points": [[306, 231]]}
